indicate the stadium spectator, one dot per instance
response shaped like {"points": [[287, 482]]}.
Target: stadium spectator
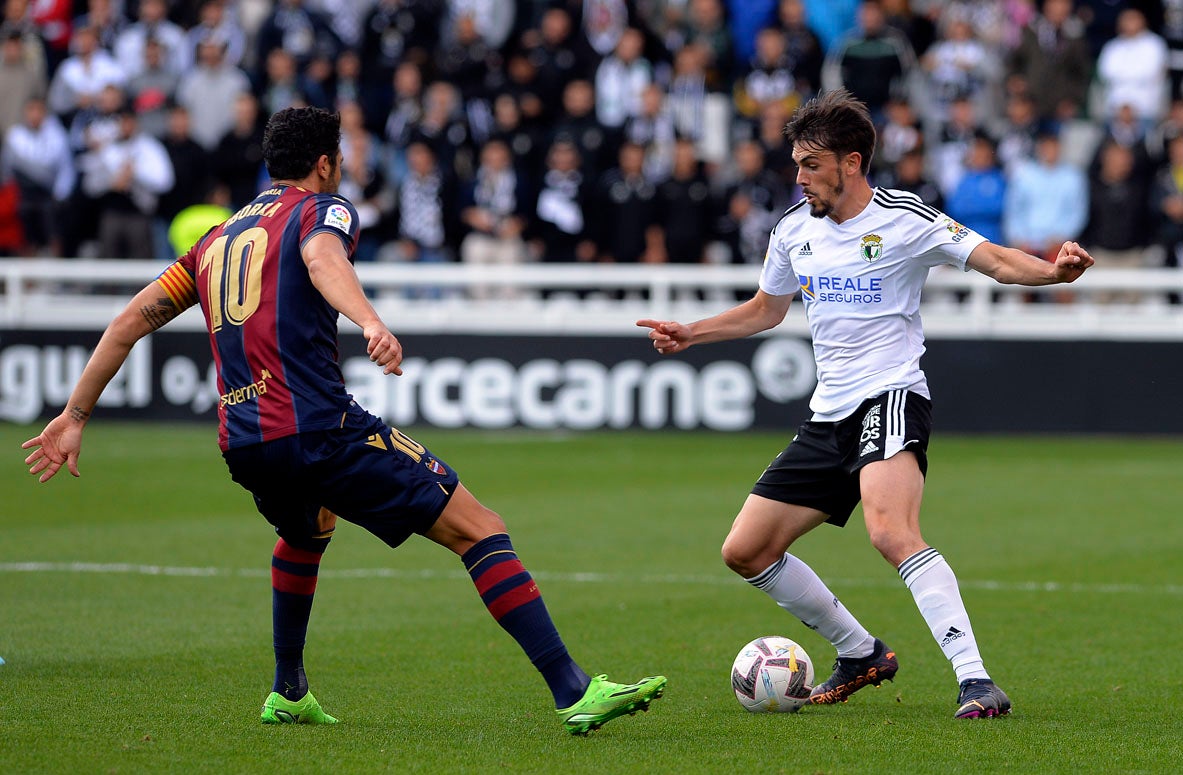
{"points": [[1132, 69], [916, 27], [238, 159], [685, 210], [559, 53], [1166, 205], [494, 207], [960, 65], [1117, 231], [398, 31], [79, 79], [105, 19], [745, 19], [403, 120], [1047, 200], [300, 31], [1172, 33], [345, 17], [524, 142], [750, 205], [688, 91], [37, 158], [561, 232], [152, 88], [493, 20], [192, 164], [127, 177], [363, 181], [951, 150], [282, 85], [621, 79], [1052, 62], [153, 24], [20, 78], [597, 147], [802, 46], [624, 215], [873, 62], [769, 79], [425, 212], [901, 132], [778, 154], [443, 127], [475, 69], [216, 23], [909, 175], [705, 27], [653, 129], [52, 20], [209, 92], [12, 232], [1016, 139], [979, 198], [831, 19]]}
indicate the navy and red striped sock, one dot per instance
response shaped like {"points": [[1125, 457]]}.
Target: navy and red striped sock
{"points": [[512, 597], [293, 584]]}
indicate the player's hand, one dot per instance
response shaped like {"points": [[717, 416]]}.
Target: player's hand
{"points": [[383, 348], [1071, 262], [60, 443], [668, 337]]}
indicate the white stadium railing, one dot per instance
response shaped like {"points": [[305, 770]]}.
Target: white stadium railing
{"points": [[547, 299]]}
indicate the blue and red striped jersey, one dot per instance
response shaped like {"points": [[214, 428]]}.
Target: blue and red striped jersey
{"points": [[274, 337]]}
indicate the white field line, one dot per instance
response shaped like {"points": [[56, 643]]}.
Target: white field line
{"points": [[429, 574]]}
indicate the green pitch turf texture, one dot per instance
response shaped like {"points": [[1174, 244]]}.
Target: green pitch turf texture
{"points": [[135, 607]]}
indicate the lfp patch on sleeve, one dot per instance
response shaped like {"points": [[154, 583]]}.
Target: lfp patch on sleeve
{"points": [[338, 217]]}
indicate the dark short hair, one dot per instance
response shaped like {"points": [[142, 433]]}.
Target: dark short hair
{"points": [[295, 138], [835, 122]]}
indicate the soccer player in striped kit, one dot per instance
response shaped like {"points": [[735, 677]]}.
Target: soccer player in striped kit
{"points": [[271, 281], [859, 257]]}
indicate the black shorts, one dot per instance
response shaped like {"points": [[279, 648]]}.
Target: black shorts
{"points": [[364, 472], [820, 467]]}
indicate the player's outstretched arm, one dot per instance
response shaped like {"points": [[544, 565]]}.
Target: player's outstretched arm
{"points": [[333, 275], [60, 443], [1014, 267], [759, 313]]}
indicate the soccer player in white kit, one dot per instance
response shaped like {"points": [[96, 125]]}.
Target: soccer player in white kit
{"points": [[859, 257]]}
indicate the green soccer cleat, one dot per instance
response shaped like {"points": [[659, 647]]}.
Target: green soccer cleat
{"points": [[279, 710], [604, 701]]}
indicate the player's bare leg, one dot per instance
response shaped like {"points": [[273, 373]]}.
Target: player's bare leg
{"points": [[479, 536], [892, 491], [756, 550]]}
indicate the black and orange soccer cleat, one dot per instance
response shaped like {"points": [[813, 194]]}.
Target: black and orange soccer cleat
{"points": [[981, 698], [852, 674]]}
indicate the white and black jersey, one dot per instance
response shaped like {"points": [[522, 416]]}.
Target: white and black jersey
{"points": [[860, 281]]}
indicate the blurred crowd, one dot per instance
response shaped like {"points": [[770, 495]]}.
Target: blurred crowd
{"points": [[494, 131]]}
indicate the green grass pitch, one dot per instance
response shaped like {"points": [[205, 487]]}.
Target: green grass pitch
{"points": [[135, 608]]}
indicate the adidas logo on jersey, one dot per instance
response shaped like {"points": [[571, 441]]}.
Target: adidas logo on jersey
{"points": [[805, 251], [868, 449]]}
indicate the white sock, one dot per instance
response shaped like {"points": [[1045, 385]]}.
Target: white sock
{"points": [[797, 589], [934, 587]]}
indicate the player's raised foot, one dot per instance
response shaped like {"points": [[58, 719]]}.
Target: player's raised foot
{"points": [[277, 709], [981, 698], [852, 674], [604, 701]]}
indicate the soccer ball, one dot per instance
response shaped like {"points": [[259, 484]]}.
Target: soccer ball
{"points": [[772, 675]]}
